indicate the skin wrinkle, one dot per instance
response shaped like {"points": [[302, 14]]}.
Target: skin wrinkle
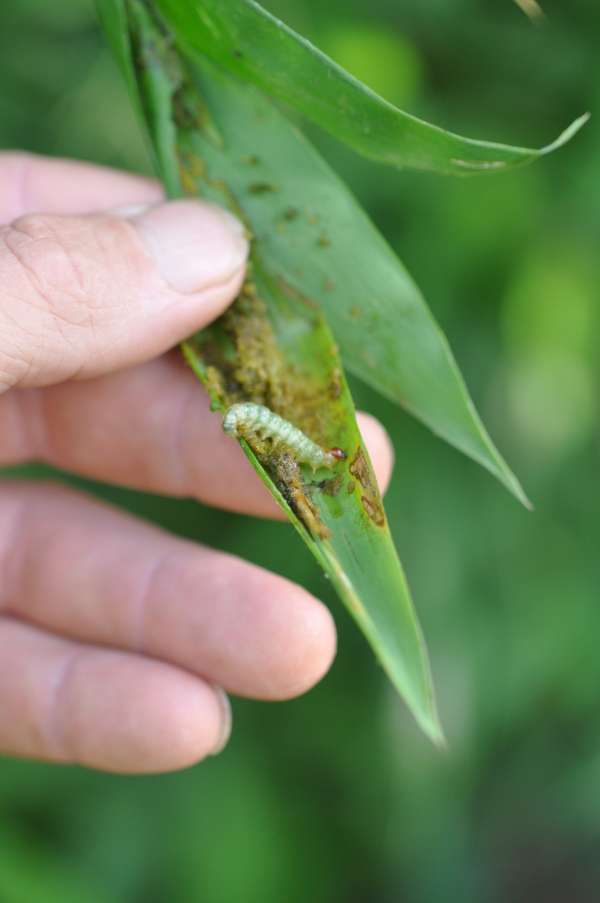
{"points": [[22, 368], [60, 323], [43, 447], [88, 274], [74, 274], [80, 325], [146, 595], [104, 260], [55, 734], [17, 369], [10, 559], [36, 406], [15, 445], [15, 441]]}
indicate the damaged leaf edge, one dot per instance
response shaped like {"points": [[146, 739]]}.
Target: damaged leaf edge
{"points": [[304, 97], [424, 710], [428, 720]]}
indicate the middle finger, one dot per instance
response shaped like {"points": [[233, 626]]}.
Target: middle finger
{"points": [[84, 570]]}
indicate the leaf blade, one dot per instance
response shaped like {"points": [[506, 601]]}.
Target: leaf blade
{"points": [[253, 44], [356, 552], [375, 592], [330, 251]]}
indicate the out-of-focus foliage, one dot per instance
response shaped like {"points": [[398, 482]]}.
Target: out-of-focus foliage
{"points": [[532, 9], [335, 796]]}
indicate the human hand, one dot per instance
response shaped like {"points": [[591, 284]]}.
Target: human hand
{"points": [[115, 637]]}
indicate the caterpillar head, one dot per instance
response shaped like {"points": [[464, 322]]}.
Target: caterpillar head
{"points": [[230, 424]]}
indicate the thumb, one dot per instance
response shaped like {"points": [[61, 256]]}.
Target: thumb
{"points": [[81, 296]]}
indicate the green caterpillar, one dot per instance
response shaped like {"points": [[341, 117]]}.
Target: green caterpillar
{"points": [[259, 419]]}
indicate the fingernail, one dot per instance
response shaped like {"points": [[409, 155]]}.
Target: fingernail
{"points": [[225, 721], [194, 244]]}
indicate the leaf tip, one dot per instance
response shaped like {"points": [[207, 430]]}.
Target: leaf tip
{"points": [[431, 726], [567, 134], [533, 10], [517, 490]]}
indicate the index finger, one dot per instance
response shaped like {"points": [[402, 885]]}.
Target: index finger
{"points": [[32, 184]]}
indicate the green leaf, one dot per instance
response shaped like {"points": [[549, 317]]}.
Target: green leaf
{"points": [[340, 516], [273, 347], [250, 42], [313, 233]]}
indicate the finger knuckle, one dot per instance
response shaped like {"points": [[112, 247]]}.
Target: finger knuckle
{"points": [[54, 262], [57, 292]]}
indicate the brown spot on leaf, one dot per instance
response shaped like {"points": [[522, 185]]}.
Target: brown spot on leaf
{"points": [[189, 111], [360, 469], [334, 386], [191, 172], [351, 486], [375, 512], [331, 487], [262, 188], [370, 498], [293, 488]]}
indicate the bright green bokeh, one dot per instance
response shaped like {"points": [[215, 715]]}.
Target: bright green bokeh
{"points": [[549, 320], [552, 302], [379, 57]]}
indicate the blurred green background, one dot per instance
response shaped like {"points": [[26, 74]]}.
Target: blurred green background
{"points": [[336, 796]]}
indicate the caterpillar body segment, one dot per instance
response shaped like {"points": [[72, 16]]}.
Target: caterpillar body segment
{"points": [[257, 418]]}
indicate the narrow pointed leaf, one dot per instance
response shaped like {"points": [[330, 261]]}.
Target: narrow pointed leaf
{"points": [[313, 233], [249, 41], [273, 347], [340, 516]]}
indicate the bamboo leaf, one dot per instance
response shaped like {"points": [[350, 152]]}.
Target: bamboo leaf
{"points": [[249, 41], [273, 347], [340, 516], [314, 235]]}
